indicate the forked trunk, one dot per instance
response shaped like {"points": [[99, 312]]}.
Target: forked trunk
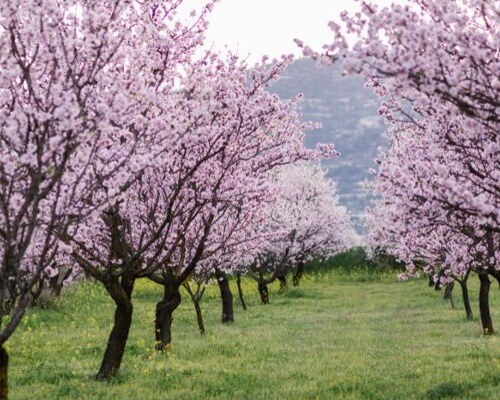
{"points": [[199, 316], [196, 299], [484, 305], [4, 364], [121, 292], [465, 297], [164, 314], [298, 273], [226, 296], [240, 291]]}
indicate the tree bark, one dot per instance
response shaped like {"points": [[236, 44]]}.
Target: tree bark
{"points": [[4, 363], [484, 305], [121, 292], [226, 296], [240, 291], [196, 299], [495, 274], [465, 297], [431, 281], [298, 273], [164, 314], [199, 316], [283, 283], [264, 292], [448, 293]]}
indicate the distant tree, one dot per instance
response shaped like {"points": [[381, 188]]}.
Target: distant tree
{"points": [[306, 222]]}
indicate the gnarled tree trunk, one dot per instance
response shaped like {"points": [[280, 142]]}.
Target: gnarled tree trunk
{"points": [[484, 304], [121, 292], [4, 364], [226, 296], [240, 291], [164, 314]]}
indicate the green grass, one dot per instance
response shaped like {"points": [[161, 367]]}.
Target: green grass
{"points": [[337, 336]]}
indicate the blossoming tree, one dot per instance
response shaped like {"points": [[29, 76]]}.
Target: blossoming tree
{"points": [[436, 64], [306, 222], [82, 101], [250, 132]]}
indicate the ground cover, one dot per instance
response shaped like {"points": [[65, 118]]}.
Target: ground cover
{"points": [[339, 335]]}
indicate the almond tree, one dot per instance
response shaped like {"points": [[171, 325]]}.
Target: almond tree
{"points": [[306, 222], [73, 99], [436, 64], [435, 242], [82, 115], [250, 132]]}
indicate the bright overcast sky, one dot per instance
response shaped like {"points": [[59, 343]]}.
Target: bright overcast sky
{"points": [[259, 27]]}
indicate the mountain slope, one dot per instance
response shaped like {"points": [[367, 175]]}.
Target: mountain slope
{"points": [[348, 113]]}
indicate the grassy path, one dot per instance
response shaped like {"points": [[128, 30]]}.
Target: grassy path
{"points": [[337, 337]]}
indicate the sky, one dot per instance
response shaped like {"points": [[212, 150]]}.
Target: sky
{"points": [[258, 27]]}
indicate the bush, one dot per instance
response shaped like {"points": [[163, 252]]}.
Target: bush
{"points": [[357, 259]]}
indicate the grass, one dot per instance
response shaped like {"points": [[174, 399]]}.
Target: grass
{"points": [[339, 335]]}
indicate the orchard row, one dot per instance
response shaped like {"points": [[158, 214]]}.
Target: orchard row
{"points": [[128, 152], [436, 67]]}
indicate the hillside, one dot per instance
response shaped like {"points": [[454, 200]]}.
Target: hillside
{"points": [[348, 112]]}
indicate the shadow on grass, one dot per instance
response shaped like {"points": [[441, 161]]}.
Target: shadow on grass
{"points": [[447, 390]]}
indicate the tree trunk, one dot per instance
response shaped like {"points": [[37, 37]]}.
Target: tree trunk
{"points": [[264, 292], [298, 273], [4, 363], [226, 296], [199, 316], [495, 274], [164, 314], [484, 306], [448, 293], [431, 281], [465, 297], [121, 292], [196, 299], [283, 283], [240, 291]]}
